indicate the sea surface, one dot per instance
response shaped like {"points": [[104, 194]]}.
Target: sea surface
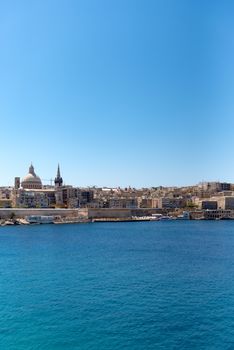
{"points": [[104, 286]]}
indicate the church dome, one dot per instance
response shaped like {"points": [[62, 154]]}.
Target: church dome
{"points": [[31, 180]]}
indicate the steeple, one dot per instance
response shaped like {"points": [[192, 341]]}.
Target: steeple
{"points": [[58, 181], [58, 172]]}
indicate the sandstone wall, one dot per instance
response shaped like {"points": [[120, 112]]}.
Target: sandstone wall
{"points": [[22, 213], [119, 213]]}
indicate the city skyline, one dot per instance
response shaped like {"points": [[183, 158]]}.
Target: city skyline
{"points": [[126, 93], [58, 179]]}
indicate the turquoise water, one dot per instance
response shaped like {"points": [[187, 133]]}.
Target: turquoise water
{"points": [[152, 285]]}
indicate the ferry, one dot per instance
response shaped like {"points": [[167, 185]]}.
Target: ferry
{"points": [[40, 219]]}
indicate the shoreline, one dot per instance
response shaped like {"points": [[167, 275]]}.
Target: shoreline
{"points": [[24, 222]]}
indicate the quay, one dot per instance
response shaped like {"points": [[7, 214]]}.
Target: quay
{"points": [[78, 213], [21, 216]]}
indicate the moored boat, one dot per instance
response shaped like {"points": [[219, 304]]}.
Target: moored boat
{"points": [[40, 219]]}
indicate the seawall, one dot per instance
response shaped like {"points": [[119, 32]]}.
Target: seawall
{"points": [[22, 212], [113, 213], [87, 213]]}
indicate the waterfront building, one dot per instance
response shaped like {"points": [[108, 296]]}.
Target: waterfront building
{"points": [[31, 193], [211, 204], [26, 198], [5, 197], [171, 203], [128, 203], [218, 214], [225, 202], [144, 202]]}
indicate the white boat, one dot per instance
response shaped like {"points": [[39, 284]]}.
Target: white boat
{"points": [[184, 216], [40, 219], [156, 217], [166, 217]]}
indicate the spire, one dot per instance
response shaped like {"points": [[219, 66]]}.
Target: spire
{"points": [[58, 172], [58, 181]]}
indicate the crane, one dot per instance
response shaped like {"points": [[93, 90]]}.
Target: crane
{"points": [[48, 180]]}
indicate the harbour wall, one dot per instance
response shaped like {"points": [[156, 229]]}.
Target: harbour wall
{"points": [[113, 213], [22, 212], [88, 213]]}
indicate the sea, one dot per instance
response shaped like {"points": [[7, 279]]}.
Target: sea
{"points": [[112, 286]]}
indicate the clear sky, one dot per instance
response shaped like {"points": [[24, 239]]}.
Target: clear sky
{"points": [[119, 92]]}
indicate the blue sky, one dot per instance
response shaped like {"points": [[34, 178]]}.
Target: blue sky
{"points": [[120, 92]]}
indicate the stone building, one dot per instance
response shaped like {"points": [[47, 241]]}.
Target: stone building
{"points": [[31, 193], [171, 203], [31, 181]]}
